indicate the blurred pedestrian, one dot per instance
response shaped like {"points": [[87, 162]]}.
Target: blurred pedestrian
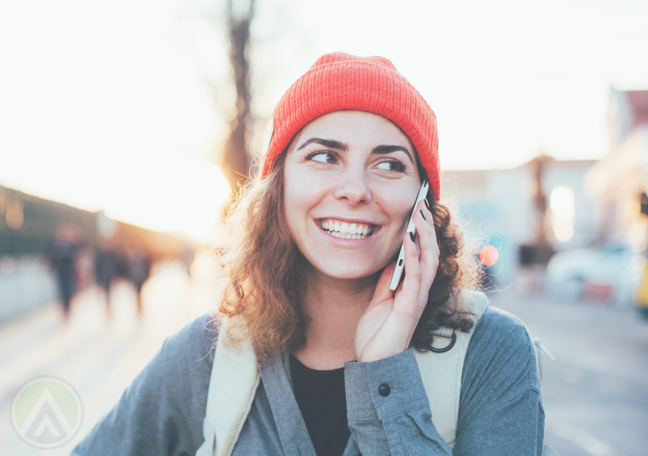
{"points": [[85, 268], [188, 256], [106, 269], [138, 271], [63, 254]]}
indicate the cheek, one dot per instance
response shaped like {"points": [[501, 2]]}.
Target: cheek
{"points": [[398, 205], [300, 196]]}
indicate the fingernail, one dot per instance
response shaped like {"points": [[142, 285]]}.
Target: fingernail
{"points": [[422, 215], [426, 204], [412, 236]]}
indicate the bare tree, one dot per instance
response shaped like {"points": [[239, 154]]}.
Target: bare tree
{"points": [[236, 158]]}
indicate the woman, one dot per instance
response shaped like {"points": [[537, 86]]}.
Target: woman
{"points": [[314, 354]]}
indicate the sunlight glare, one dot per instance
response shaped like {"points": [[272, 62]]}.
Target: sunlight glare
{"points": [[563, 214]]}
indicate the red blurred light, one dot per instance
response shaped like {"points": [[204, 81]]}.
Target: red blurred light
{"points": [[489, 255]]}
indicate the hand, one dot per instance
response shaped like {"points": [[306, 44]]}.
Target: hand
{"points": [[387, 325]]}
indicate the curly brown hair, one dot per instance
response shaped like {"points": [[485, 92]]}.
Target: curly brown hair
{"points": [[264, 280]]}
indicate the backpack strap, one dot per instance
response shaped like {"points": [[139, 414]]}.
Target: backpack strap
{"points": [[441, 371], [227, 407]]}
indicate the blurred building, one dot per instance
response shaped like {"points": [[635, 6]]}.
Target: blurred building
{"points": [[512, 209], [28, 224], [620, 180]]}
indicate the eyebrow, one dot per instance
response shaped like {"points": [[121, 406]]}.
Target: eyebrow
{"points": [[387, 149], [330, 143], [338, 145]]}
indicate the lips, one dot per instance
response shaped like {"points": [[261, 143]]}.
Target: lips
{"points": [[345, 230]]}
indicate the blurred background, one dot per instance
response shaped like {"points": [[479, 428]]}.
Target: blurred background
{"points": [[125, 126]]}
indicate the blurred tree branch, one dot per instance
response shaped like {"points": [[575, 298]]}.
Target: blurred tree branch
{"points": [[236, 157]]}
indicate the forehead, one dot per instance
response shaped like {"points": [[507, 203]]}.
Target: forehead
{"points": [[355, 128]]}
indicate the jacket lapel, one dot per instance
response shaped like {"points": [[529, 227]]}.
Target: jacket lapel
{"points": [[287, 416]]}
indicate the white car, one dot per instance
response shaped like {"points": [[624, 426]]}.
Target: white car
{"points": [[608, 272]]}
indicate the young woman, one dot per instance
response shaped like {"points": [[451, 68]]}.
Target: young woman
{"points": [[310, 352]]}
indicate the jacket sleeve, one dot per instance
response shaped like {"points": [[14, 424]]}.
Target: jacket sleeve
{"points": [[161, 412], [398, 423], [500, 410]]}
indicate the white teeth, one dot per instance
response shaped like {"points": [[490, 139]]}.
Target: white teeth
{"points": [[346, 235], [345, 230]]}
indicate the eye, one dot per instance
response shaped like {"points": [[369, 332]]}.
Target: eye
{"points": [[323, 157], [391, 165]]}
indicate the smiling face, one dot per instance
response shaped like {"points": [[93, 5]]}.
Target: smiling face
{"points": [[350, 180]]}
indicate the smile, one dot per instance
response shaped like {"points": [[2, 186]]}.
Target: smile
{"points": [[345, 230]]}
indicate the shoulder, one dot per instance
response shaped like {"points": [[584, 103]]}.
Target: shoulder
{"points": [[501, 351], [182, 367], [501, 328], [496, 330], [192, 344], [185, 361]]}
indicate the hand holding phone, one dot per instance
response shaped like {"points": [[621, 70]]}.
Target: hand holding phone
{"points": [[400, 262]]}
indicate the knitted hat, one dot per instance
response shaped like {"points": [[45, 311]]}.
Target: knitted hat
{"points": [[340, 82]]}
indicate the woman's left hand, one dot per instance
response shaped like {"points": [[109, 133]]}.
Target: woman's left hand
{"points": [[387, 325]]}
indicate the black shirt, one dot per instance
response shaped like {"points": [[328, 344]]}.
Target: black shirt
{"points": [[321, 399]]}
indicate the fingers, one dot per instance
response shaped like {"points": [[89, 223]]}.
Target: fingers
{"points": [[426, 216], [427, 241], [407, 295]]}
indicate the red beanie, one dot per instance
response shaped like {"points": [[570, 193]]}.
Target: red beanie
{"points": [[340, 82]]}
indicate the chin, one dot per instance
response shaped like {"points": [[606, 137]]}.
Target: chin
{"points": [[349, 271]]}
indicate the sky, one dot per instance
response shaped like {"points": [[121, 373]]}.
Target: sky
{"points": [[122, 105]]}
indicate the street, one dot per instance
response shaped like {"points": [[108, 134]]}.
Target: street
{"points": [[596, 393]]}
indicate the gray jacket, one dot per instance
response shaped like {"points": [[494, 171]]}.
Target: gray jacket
{"points": [[500, 413]]}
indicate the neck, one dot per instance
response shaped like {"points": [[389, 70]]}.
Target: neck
{"points": [[334, 307]]}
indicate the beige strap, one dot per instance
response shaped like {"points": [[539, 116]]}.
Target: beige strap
{"points": [[441, 372], [232, 387]]}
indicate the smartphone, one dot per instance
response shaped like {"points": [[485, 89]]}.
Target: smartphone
{"points": [[400, 262]]}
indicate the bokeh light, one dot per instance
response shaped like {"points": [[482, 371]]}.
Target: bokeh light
{"points": [[489, 255]]}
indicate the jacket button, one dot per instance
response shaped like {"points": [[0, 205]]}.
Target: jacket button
{"points": [[384, 390]]}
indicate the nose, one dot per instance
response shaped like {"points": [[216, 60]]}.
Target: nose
{"points": [[353, 187]]}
